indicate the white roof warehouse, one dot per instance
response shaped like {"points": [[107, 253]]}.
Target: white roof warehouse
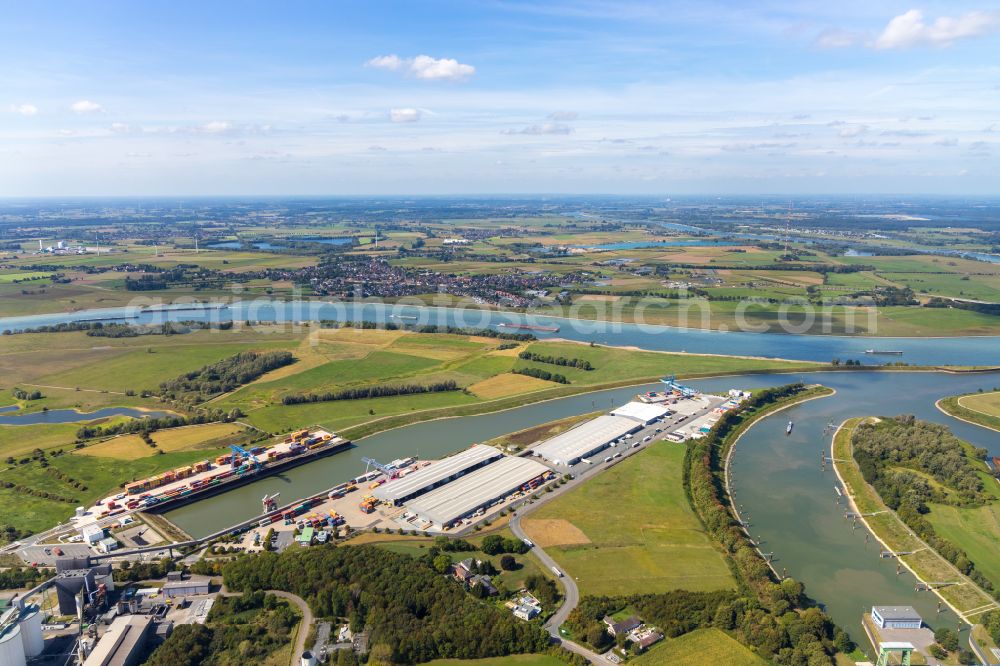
{"points": [[585, 439], [473, 491], [414, 484]]}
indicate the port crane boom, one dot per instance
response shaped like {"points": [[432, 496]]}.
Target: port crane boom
{"points": [[385, 469], [245, 457]]}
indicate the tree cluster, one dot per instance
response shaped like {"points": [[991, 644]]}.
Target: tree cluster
{"points": [[541, 374], [495, 544], [364, 392], [581, 363], [223, 376], [239, 630], [412, 613]]}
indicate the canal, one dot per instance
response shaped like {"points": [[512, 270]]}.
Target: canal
{"points": [[778, 479]]}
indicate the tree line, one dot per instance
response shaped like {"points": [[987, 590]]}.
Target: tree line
{"points": [[412, 613], [364, 392], [149, 424], [580, 363], [538, 373], [894, 454], [223, 376], [429, 329], [769, 615], [100, 329]]}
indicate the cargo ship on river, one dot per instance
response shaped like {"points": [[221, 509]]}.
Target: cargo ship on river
{"points": [[180, 486], [529, 327]]}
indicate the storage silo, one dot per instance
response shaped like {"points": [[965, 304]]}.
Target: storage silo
{"points": [[31, 631], [11, 646], [308, 659]]}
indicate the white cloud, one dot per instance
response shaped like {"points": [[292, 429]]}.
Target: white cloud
{"points": [[24, 109], [946, 141], [545, 128], [424, 67], [120, 128], [391, 62], [909, 29], [563, 116], [86, 106], [405, 115]]}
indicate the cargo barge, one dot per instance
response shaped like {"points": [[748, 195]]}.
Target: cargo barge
{"points": [[529, 327], [210, 478], [884, 352]]}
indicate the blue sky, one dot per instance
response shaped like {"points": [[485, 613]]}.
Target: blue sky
{"points": [[185, 98]]}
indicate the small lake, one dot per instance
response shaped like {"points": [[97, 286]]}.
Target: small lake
{"points": [[72, 415], [236, 245]]}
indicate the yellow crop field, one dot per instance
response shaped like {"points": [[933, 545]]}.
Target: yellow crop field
{"points": [[506, 384]]}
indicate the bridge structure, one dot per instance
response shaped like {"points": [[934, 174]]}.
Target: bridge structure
{"points": [[885, 650]]}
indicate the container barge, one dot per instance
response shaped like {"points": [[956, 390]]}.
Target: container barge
{"points": [[529, 327], [300, 448]]}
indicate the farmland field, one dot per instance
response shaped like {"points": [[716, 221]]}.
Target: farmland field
{"points": [[643, 535]]}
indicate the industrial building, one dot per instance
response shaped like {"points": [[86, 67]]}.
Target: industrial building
{"points": [[476, 490], [185, 588], [401, 490], [896, 617], [20, 635], [586, 439], [642, 412], [122, 644]]}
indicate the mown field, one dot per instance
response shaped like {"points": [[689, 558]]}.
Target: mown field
{"points": [[975, 530], [702, 646], [631, 530], [980, 408]]}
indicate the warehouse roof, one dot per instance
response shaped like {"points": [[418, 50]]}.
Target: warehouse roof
{"points": [[123, 639], [585, 438], [898, 612], [436, 472], [641, 411], [476, 489]]}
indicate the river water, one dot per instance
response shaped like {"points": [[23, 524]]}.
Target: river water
{"points": [[778, 479], [921, 351]]}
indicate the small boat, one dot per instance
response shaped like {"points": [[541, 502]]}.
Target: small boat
{"points": [[884, 352], [788, 428]]}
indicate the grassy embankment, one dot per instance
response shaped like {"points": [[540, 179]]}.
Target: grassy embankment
{"points": [[980, 408], [924, 562]]}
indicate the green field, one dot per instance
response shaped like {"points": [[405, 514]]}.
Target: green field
{"points": [[975, 530], [702, 646], [631, 530], [981, 408]]}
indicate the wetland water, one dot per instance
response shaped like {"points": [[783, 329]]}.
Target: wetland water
{"points": [[778, 480], [920, 351], [71, 415]]}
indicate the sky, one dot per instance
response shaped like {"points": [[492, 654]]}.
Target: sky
{"points": [[498, 96]]}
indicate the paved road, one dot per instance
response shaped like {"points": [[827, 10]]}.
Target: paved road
{"points": [[307, 621]]}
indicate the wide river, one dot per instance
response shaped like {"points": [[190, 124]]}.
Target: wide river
{"points": [[920, 351], [779, 480]]}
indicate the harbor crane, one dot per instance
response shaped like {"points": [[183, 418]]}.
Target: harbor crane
{"points": [[385, 469], [670, 382], [270, 502], [244, 457]]}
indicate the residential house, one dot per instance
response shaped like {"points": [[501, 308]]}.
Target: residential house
{"points": [[623, 627]]}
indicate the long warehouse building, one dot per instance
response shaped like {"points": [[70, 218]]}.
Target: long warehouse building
{"points": [[477, 490], [586, 439], [438, 473]]}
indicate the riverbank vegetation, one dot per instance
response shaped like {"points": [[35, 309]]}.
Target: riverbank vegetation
{"points": [[931, 478], [894, 528]]}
